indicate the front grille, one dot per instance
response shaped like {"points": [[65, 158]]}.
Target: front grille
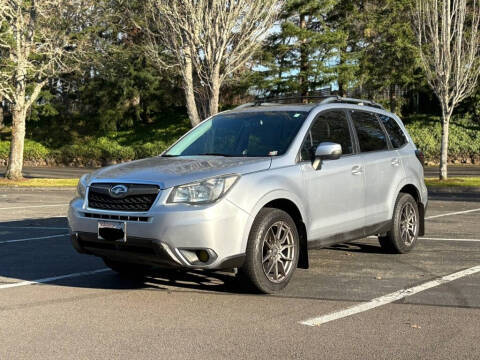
{"points": [[139, 197]]}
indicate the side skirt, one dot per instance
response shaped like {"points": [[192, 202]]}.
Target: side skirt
{"points": [[374, 229]]}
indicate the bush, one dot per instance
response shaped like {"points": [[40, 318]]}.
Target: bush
{"points": [[33, 151], [464, 139]]}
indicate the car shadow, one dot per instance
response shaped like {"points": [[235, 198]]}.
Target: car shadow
{"points": [[37, 249]]}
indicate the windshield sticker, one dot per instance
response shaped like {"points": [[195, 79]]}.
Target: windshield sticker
{"points": [[273, 153], [296, 115]]}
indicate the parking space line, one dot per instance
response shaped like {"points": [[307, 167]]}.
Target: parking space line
{"points": [[54, 278], [443, 239], [453, 213], [33, 228], [387, 299], [32, 206], [30, 239]]}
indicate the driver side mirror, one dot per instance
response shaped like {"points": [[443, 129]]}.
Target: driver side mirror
{"points": [[326, 151]]}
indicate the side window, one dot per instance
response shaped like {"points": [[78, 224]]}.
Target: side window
{"points": [[395, 133], [370, 134], [330, 126]]}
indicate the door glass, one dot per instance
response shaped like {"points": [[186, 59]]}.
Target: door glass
{"points": [[329, 126], [370, 134], [397, 137]]}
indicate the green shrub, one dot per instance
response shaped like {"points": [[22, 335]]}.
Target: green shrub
{"points": [[426, 132]]}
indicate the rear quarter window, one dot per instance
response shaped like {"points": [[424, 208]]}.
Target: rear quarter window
{"points": [[395, 132]]}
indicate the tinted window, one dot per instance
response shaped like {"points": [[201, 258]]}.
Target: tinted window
{"points": [[331, 126], [395, 133], [267, 133], [370, 134]]}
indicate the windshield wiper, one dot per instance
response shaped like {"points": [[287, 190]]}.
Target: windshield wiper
{"points": [[216, 154]]}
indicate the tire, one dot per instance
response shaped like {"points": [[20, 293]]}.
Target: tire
{"points": [[128, 270], [403, 236], [271, 275]]}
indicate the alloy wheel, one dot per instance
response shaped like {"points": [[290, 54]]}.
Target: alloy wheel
{"points": [[278, 252]]}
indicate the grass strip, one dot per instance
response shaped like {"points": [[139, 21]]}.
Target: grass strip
{"points": [[39, 183]]}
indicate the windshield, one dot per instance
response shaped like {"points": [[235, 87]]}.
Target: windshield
{"points": [[251, 134]]}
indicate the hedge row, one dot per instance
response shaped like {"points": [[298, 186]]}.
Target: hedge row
{"points": [[101, 151], [425, 131], [464, 138]]}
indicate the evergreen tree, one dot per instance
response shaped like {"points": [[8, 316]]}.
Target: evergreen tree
{"points": [[298, 55]]}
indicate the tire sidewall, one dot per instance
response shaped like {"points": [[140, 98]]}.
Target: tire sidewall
{"points": [[398, 243], [265, 219]]}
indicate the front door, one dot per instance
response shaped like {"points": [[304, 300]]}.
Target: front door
{"points": [[335, 192]]}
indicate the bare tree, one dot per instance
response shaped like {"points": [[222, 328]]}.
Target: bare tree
{"points": [[449, 42], [208, 40], [39, 39]]}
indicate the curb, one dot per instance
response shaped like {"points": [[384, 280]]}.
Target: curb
{"points": [[453, 190]]}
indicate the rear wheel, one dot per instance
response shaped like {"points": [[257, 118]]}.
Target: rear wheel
{"points": [[127, 269], [403, 236], [272, 251]]}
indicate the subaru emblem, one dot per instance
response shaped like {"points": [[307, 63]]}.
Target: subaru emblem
{"points": [[118, 191]]}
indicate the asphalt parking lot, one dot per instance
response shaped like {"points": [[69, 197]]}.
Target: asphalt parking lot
{"points": [[57, 304]]}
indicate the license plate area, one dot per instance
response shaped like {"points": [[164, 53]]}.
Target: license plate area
{"points": [[112, 231]]}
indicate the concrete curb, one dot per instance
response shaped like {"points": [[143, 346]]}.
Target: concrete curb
{"points": [[453, 190]]}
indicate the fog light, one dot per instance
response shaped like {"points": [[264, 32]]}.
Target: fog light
{"points": [[203, 256]]}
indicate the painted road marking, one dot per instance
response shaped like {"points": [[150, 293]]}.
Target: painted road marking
{"points": [[387, 299], [33, 206], [30, 239], [443, 239], [33, 228], [54, 278], [453, 213]]}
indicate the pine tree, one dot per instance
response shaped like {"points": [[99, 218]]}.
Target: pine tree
{"points": [[298, 55]]}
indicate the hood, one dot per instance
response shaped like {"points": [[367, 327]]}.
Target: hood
{"points": [[168, 172]]}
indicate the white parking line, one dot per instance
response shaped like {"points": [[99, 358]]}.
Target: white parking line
{"points": [[33, 228], [54, 278], [453, 213], [33, 206], [443, 239], [387, 299], [30, 239]]}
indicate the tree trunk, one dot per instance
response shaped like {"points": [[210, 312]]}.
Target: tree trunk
{"points": [[15, 161], [190, 93], [213, 100], [303, 78], [444, 147], [2, 124]]}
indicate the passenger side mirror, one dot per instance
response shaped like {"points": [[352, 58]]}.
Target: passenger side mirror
{"points": [[326, 151]]}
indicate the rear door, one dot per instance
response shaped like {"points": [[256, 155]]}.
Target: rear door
{"points": [[335, 193], [383, 167]]}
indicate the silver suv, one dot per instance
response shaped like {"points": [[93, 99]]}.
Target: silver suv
{"points": [[254, 188]]}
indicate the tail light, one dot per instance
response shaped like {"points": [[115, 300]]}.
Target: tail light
{"points": [[420, 157]]}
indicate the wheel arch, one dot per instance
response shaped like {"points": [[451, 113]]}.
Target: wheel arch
{"points": [[284, 201], [415, 193]]}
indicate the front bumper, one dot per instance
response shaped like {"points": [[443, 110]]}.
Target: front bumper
{"points": [[165, 234]]}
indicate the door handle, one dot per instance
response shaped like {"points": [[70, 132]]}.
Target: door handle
{"points": [[357, 170], [395, 162]]}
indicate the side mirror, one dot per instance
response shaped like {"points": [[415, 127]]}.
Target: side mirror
{"points": [[326, 151]]}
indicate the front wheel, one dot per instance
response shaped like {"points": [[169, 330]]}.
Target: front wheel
{"points": [[403, 236], [272, 251]]}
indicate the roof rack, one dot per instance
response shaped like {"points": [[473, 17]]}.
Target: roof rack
{"points": [[345, 100], [321, 100]]}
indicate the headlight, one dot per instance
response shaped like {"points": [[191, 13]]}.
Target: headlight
{"points": [[82, 186], [202, 192]]}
